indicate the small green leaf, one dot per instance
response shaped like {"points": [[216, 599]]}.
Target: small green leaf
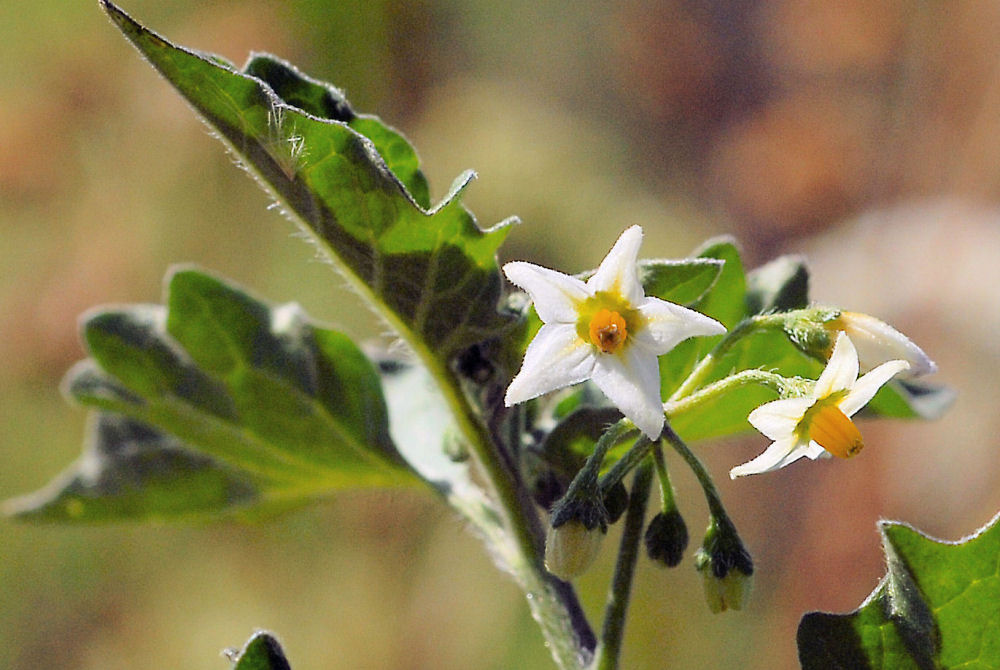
{"points": [[726, 301], [356, 187], [220, 388], [937, 607], [683, 282], [779, 286], [261, 652]]}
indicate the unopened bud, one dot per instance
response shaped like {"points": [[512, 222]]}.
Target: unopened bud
{"points": [[726, 567], [615, 502], [878, 342], [814, 331], [667, 538], [571, 549]]}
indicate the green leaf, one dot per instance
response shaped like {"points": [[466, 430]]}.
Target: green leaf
{"points": [[425, 432], [223, 390], [356, 187], [327, 102], [132, 471], [937, 607], [779, 286], [724, 300], [683, 282], [261, 652]]}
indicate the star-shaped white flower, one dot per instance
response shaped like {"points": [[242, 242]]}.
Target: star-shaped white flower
{"points": [[820, 423], [606, 330]]}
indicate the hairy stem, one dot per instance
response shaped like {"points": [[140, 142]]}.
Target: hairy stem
{"points": [[712, 497], [778, 383], [554, 603], [613, 633]]}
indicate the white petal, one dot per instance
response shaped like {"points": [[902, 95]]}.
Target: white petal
{"points": [[778, 455], [631, 380], [841, 370], [815, 450], [868, 385], [878, 342], [619, 271], [777, 419], [667, 324], [554, 294], [556, 358]]}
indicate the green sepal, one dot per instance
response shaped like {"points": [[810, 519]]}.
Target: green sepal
{"points": [[938, 606], [261, 652]]}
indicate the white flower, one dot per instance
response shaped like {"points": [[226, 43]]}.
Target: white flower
{"points": [[877, 342], [819, 424], [606, 330]]}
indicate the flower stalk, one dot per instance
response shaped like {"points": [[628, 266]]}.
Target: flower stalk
{"points": [[613, 630]]}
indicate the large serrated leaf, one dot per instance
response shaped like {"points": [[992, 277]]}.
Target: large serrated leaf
{"points": [[221, 389], [937, 607], [354, 184]]}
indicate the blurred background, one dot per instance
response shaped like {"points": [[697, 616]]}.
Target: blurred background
{"points": [[861, 134]]}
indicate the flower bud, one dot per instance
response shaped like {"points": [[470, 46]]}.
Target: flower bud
{"points": [[667, 538], [878, 342], [726, 568], [571, 549], [615, 502], [814, 331], [577, 526]]}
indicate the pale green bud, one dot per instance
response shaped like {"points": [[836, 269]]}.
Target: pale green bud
{"points": [[725, 566], [571, 549]]}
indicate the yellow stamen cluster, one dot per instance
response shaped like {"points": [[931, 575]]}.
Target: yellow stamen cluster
{"points": [[608, 331], [833, 430]]}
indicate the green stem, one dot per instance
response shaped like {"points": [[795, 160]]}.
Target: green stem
{"points": [[553, 603], [705, 365], [715, 506], [772, 380], [667, 502], [630, 460], [613, 633]]}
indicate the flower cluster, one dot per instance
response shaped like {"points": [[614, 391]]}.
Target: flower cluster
{"points": [[606, 330]]}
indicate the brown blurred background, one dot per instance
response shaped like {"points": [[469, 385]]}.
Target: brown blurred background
{"points": [[862, 134]]}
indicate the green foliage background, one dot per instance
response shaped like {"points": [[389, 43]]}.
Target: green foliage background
{"points": [[581, 123]]}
